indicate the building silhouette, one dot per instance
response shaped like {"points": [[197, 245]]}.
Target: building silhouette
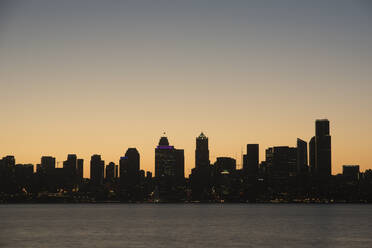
{"points": [[169, 171], [312, 156], [282, 166], [80, 170], [110, 172], [48, 164], [225, 165], [130, 166], [169, 161], [202, 152], [251, 160], [70, 171], [200, 178], [7, 174], [302, 167], [351, 172], [97, 166], [130, 175], [323, 161]]}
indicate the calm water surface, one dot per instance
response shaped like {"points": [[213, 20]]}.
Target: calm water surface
{"points": [[188, 225]]}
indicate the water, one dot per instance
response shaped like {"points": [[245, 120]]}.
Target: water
{"points": [[185, 225]]}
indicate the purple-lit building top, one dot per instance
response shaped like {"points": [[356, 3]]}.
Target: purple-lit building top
{"points": [[165, 147]]}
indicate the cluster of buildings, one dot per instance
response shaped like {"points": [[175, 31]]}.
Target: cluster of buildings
{"points": [[288, 174]]}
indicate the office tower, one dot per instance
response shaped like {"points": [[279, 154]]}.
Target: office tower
{"points": [[110, 172], [80, 170], [70, 166], [200, 178], [312, 155], [130, 164], [302, 167], [47, 165], [23, 175], [282, 165], [202, 152], [7, 174], [225, 165], [97, 167], [168, 160], [351, 172], [169, 172], [129, 175], [322, 149], [251, 160]]}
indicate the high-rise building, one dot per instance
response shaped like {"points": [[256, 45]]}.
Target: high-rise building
{"points": [[110, 171], [48, 164], [129, 168], [282, 164], [80, 170], [169, 171], [23, 175], [168, 160], [97, 167], [7, 174], [302, 166], [323, 158], [312, 155], [200, 178], [202, 152], [251, 160], [70, 165]]}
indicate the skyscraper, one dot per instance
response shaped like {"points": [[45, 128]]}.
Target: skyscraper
{"points": [[110, 172], [168, 160], [7, 174], [48, 164], [282, 163], [169, 171], [70, 171], [302, 167], [312, 155], [323, 149], [202, 152], [129, 168], [251, 160], [97, 166], [80, 170]]}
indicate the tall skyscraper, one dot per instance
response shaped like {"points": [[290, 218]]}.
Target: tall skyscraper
{"points": [[282, 165], [80, 170], [110, 172], [202, 152], [251, 160], [168, 160], [7, 174], [48, 164], [200, 178], [312, 155], [130, 167], [323, 158], [97, 166], [70, 171], [302, 166]]}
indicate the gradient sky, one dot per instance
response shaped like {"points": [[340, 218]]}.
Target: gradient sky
{"points": [[90, 77]]}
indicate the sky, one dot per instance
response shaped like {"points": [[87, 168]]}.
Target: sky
{"points": [[98, 77]]}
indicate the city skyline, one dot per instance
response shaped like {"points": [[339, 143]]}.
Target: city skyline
{"points": [[96, 78], [306, 157]]}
